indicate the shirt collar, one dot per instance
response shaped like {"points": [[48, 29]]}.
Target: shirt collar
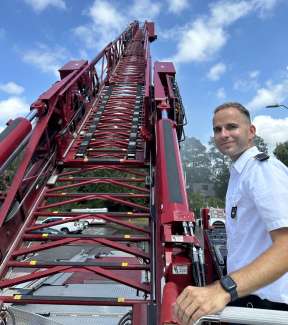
{"points": [[240, 163]]}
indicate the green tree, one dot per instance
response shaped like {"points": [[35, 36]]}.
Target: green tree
{"points": [[215, 202], [260, 144], [196, 161], [220, 170], [281, 152], [196, 200]]}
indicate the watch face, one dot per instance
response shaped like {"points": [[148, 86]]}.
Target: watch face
{"points": [[230, 286], [228, 283]]}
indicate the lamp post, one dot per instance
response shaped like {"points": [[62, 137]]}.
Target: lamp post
{"points": [[276, 105]]}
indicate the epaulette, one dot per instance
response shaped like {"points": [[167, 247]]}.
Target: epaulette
{"points": [[262, 156]]}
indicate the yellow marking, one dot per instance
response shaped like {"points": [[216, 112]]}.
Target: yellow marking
{"points": [[18, 297], [45, 235], [130, 213], [127, 236], [121, 299], [33, 262], [63, 193], [70, 177], [55, 211], [124, 264]]}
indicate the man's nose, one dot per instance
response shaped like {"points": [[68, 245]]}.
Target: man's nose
{"points": [[224, 132]]}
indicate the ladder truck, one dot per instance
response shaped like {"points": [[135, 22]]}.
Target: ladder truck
{"points": [[102, 143]]}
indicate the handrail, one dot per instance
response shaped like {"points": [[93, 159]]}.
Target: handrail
{"points": [[249, 316]]}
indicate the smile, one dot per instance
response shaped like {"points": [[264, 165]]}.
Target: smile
{"points": [[225, 143]]}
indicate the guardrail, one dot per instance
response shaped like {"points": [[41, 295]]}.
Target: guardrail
{"points": [[249, 316]]}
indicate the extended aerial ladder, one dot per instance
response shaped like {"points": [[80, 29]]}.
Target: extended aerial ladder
{"points": [[104, 136], [92, 144]]}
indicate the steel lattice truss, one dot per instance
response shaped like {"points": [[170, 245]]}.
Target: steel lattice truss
{"points": [[105, 147], [64, 195], [104, 167]]}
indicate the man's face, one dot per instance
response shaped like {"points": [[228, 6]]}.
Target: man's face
{"points": [[233, 134]]}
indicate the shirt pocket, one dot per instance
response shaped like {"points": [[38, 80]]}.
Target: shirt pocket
{"points": [[245, 212]]}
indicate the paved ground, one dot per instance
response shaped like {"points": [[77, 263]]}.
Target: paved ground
{"points": [[57, 286]]}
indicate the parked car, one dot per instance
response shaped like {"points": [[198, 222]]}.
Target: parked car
{"points": [[217, 217], [67, 227], [49, 231], [92, 220]]}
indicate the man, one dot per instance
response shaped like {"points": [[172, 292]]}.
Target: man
{"points": [[256, 225]]}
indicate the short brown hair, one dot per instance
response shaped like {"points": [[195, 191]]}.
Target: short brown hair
{"points": [[243, 110]]}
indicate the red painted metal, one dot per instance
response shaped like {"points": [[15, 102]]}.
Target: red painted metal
{"points": [[12, 136], [26, 299], [92, 123], [210, 270], [205, 218], [172, 203], [101, 142], [170, 210], [71, 66], [170, 294], [161, 71], [140, 314]]}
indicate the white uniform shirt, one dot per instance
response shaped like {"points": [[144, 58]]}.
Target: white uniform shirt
{"points": [[259, 189]]}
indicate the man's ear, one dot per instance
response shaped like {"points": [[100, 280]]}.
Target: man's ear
{"points": [[252, 130]]}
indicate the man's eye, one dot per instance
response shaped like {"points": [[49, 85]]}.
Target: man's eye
{"points": [[232, 126], [217, 130]]}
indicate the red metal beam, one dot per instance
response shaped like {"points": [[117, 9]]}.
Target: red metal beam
{"points": [[106, 137]]}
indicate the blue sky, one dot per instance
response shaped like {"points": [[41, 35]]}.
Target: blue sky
{"points": [[234, 50]]}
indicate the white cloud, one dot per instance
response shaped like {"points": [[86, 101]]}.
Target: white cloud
{"points": [[104, 14], [46, 59], [177, 6], [265, 6], [250, 83], [108, 20], [221, 94], [40, 5], [269, 95], [254, 74], [172, 33], [216, 71], [105, 24], [12, 88], [205, 36], [87, 35], [144, 9], [245, 85], [272, 130], [224, 13], [11, 108], [199, 42], [83, 54]]}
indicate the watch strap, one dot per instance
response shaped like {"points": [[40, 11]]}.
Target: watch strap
{"points": [[230, 286]]}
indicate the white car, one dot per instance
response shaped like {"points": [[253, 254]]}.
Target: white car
{"points": [[92, 220], [217, 217], [67, 227]]}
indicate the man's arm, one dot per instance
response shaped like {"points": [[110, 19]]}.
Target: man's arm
{"points": [[195, 302]]}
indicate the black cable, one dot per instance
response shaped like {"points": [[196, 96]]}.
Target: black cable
{"points": [[5, 314], [126, 319]]}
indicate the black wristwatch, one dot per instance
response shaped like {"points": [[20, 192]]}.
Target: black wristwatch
{"points": [[229, 285]]}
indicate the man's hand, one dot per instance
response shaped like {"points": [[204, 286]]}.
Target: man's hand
{"points": [[195, 302]]}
